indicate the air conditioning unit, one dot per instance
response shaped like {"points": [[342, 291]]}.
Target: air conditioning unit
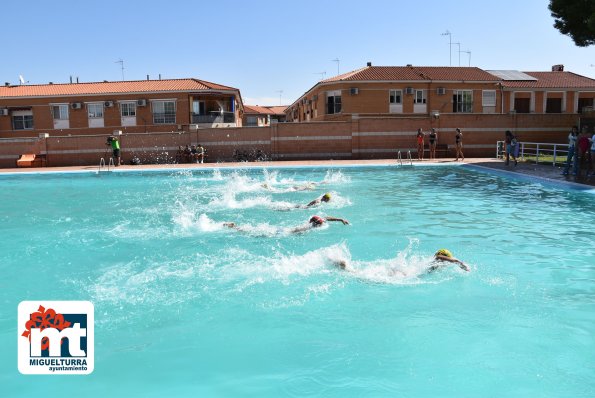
{"points": [[141, 102], [76, 105], [441, 90], [409, 90], [4, 112], [354, 91], [108, 104]]}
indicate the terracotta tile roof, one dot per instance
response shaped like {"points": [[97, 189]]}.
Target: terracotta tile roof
{"points": [[255, 109], [98, 88], [278, 110], [264, 110], [414, 73], [552, 80]]}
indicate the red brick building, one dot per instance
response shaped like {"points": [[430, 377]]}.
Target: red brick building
{"points": [[129, 106], [385, 91], [261, 116]]}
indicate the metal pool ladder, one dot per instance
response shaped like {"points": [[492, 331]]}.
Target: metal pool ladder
{"points": [[400, 158], [103, 167]]}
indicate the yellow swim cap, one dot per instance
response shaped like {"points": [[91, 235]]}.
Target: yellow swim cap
{"points": [[326, 196], [444, 252]]}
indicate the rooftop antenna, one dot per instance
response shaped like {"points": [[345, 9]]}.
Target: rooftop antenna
{"points": [[337, 60], [447, 33], [121, 62], [280, 92], [459, 44], [322, 74], [22, 79], [469, 53]]}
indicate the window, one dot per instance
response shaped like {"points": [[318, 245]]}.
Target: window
{"points": [[488, 98], [198, 107], [164, 112], [522, 105], [95, 111], [60, 112], [128, 109], [462, 101], [553, 105], [333, 102], [420, 97], [395, 97], [22, 122], [251, 121]]}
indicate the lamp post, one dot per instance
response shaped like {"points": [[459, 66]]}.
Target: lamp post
{"points": [[447, 33]]}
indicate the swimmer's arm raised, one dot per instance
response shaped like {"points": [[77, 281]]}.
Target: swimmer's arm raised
{"points": [[345, 222], [461, 264]]}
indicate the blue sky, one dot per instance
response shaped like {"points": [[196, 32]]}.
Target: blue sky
{"points": [[262, 47]]}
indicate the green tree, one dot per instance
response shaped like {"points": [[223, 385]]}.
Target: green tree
{"points": [[575, 18]]}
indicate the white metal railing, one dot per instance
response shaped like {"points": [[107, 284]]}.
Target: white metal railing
{"points": [[534, 151], [399, 159], [410, 158]]}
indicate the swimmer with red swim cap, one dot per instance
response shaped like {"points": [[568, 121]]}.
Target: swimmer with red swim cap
{"points": [[314, 222], [317, 221]]}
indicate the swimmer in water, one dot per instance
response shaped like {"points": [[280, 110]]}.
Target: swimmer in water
{"points": [[443, 256], [315, 222], [324, 198]]}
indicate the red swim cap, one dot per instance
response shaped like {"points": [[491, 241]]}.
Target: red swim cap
{"points": [[316, 220]]}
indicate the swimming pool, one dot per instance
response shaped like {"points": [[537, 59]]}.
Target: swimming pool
{"points": [[187, 307]]}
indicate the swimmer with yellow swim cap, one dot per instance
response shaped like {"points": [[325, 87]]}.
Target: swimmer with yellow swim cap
{"points": [[324, 198], [444, 255]]}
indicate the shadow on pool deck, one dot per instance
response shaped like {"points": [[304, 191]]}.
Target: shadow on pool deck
{"points": [[553, 173]]}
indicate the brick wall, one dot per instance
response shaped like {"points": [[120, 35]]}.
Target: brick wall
{"points": [[360, 138]]}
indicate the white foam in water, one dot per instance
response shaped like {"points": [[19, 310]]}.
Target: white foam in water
{"points": [[335, 177]]}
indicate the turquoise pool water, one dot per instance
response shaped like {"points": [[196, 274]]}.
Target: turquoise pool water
{"points": [[187, 307]]}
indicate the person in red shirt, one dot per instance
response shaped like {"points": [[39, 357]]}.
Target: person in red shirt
{"points": [[583, 150]]}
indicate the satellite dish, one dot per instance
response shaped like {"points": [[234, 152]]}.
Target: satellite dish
{"points": [[21, 79]]}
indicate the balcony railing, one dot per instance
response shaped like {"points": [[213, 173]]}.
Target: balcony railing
{"points": [[214, 117]]}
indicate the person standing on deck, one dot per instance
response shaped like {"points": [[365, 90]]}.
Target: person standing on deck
{"points": [[572, 138], [459, 144], [433, 139], [420, 144]]}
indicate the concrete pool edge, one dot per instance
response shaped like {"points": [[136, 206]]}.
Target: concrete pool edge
{"points": [[527, 171]]}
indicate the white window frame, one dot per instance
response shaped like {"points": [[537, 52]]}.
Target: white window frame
{"points": [[125, 110], [97, 113], [63, 112], [488, 97], [165, 114], [461, 106], [392, 97], [335, 94], [25, 117], [419, 97]]}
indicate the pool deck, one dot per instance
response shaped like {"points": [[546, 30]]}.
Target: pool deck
{"points": [[547, 172]]}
